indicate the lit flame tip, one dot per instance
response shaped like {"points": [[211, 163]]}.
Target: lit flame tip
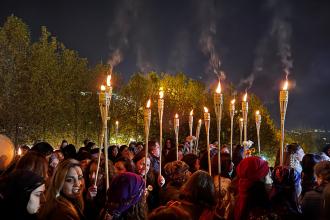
{"points": [[102, 88], [218, 88], [176, 115], [257, 112], [19, 152], [192, 112], [233, 101], [206, 110], [148, 103], [117, 122], [286, 85], [241, 119], [109, 80], [245, 97], [161, 93]]}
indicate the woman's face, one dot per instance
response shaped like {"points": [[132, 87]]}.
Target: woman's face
{"points": [[197, 164], [300, 154], [114, 152], [119, 167], [35, 197], [73, 183], [140, 166]]}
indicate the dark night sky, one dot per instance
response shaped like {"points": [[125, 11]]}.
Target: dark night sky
{"points": [[251, 38]]}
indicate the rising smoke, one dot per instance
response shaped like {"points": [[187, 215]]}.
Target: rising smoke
{"points": [[206, 14], [125, 14], [280, 31]]}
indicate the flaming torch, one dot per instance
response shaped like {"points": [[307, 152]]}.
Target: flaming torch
{"points": [[160, 116], [191, 121], [147, 119], [176, 130], [284, 97], [207, 120], [218, 102], [245, 109], [258, 122], [19, 152], [198, 131], [104, 103], [232, 113], [117, 128], [241, 125]]}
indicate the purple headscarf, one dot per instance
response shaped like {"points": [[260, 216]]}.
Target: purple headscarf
{"points": [[125, 190]]}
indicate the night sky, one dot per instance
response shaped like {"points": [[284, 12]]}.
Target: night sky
{"points": [[252, 42]]}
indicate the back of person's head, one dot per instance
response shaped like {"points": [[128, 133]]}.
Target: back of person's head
{"points": [[169, 212], [191, 160], [238, 154], [308, 162], [35, 162], [176, 172], [199, 190], [293, 148], [44, 148], [69, 152]]}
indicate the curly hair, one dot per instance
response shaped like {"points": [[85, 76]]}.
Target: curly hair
{"points": [[322, 169]]}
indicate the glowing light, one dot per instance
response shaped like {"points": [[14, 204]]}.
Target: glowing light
{"points": [[286, 85], [241, 119], [192, 112], [257, 112], [200, 121], [148, 103], [161, 93], [233, 101], [109, 80], [19, 152], [176, 116], [102, 88], [245, 97], [206, 110], [117, 122], [218, 88]]}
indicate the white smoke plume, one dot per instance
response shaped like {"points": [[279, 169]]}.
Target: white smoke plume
{"points": [[206, 13], [125, 13]]}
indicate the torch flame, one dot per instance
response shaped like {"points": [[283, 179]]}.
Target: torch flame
{"points": [[241, 119], [286, 84], [176, 116], [245, 97], [109, 80], [206, 110], [200, 121], [102, 88], [148, 103], [218, 88], [192, 112], [233, 101], [117, 122], [161, 93], [257, 112], [19, 152]]}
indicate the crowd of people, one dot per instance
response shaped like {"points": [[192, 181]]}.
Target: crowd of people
{"points": [[70, 183]]}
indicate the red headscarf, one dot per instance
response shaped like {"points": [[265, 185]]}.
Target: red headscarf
{"points": [[249, 171]]}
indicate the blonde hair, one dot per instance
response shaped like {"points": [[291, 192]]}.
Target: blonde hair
{"points": [[54, 198]]}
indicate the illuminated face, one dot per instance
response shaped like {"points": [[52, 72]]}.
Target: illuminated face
{"points": [[35, 197], [140, 166], [73, 183], [180, 155], [197, 164], [156, 150], [119, 167], [300, 154], [168, 144]]}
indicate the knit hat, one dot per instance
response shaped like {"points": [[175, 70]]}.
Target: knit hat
{"points": [[125, 191]]}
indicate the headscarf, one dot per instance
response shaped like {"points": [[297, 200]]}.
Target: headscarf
{"points": [[16, 192], [249, 171], [125, 191]]}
